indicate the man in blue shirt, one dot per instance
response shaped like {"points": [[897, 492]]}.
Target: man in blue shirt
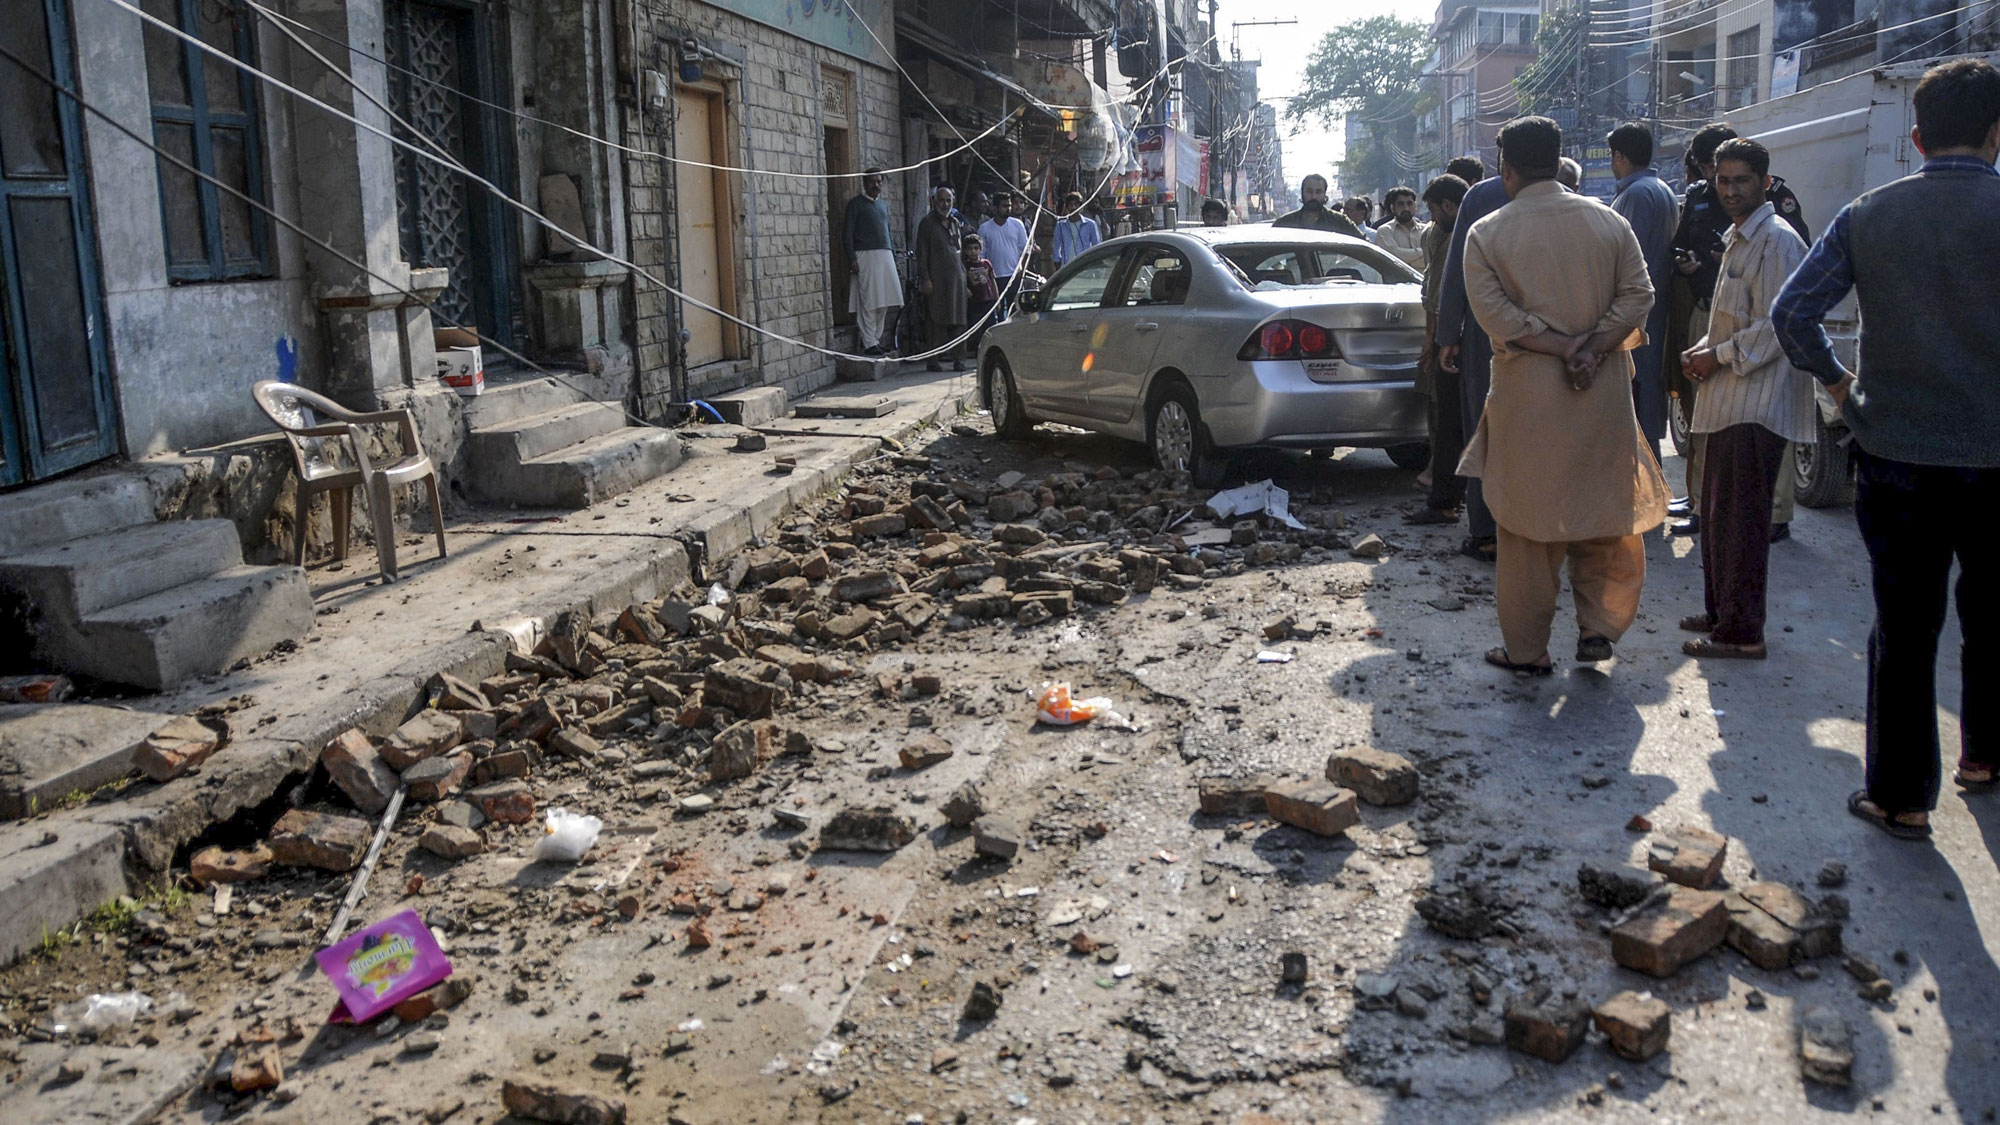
{"points": [[1075, 233], [1648, 204], [1926, 426]]}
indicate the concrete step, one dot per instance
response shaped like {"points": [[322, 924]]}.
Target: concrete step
{"points": [[604, 466], [75, 579], [513, 396], [538, 435], [47, 514], [51, 750], [197, 628], [47, 884]]}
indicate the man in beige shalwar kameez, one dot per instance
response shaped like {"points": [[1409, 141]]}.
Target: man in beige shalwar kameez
{"points": [[1559, 282]]}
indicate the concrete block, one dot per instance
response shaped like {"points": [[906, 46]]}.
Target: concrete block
{"points": [[49, 883], [195, 629], [82, 576], [598, 469], [835, 406], [751, 406], [49, 750], [537, 435], [53, 512], [1319, 807], [861, 370], [1662, 939], [996, 836]]}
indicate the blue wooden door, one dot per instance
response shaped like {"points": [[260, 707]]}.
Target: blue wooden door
{"points": [[56, 409]]}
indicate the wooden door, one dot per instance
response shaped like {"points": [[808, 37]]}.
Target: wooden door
{"points": [[55, 385], [703, 224]]}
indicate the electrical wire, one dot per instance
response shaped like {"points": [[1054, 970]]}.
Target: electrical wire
{"points": [[543, 220]]}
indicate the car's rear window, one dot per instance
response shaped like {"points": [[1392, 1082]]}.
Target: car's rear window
{"points": [[1279, 266]]}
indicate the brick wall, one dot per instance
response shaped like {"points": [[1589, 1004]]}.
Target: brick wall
{"points": [[782, 283]]}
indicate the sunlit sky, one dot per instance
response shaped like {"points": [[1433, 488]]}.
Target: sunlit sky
{"points": [[1284, 50]]}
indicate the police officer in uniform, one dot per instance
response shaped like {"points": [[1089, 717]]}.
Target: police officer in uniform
{"points": [[1698, 257]]}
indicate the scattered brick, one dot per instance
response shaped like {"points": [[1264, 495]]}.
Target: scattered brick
{"points": [[1637, 1024], [1319, 807], [1689, 856], [1377, 776], [1671, 933], [174, 749], [309, 839]]}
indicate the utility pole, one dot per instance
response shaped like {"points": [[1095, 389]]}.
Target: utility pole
{"points": [[1219, 75], [1236, 58]]}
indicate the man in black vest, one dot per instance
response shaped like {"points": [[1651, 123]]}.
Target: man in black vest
{"points": [[1926, 425]]}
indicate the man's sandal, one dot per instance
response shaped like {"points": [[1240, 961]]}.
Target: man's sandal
{"points": [[1709, 648], [1698, 623], [1859, 804], [1498, 658], [1974, 779], [1593, 650], [1480, 550]]}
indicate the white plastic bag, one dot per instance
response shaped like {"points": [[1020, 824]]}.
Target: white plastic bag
{"points": [[102, 1013], [569, 836]]}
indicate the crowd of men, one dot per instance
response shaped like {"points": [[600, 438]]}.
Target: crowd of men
{"points": [[1558, 323], [966, 264]]}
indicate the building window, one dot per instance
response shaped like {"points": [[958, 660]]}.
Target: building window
{"points": [[1744, 55], [212, 124]]}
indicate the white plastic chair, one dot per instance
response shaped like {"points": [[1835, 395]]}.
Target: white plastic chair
{"points": [[332, 456]]}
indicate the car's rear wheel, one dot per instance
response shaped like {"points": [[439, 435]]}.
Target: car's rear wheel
{"points": [[1680, 418], [1413, 456], [1825, 476], [1009, 421], [1177, 439]]}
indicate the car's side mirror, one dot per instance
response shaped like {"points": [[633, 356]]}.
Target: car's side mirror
{"points": [[1028, 301]]}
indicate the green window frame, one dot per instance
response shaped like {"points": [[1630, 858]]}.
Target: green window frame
{"points": [[213, 123]]}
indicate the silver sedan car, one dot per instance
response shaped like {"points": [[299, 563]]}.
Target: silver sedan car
{"points": [[1204, 340]]}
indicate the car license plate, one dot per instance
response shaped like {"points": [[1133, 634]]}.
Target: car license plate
{"points": [[1322, 370]]}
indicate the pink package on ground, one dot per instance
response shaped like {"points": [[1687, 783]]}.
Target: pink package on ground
{"points": [[381, 965]]}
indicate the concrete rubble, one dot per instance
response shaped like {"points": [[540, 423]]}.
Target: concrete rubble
{"points": [[842, 871]]}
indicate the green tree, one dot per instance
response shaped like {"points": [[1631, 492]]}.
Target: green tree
{"points": [[1550, 81], [1372, 72]]}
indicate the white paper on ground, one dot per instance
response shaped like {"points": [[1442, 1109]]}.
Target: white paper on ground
{"points": [[1264, 497]]}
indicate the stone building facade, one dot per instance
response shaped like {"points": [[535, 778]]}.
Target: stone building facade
{"points": [[757, 89]]}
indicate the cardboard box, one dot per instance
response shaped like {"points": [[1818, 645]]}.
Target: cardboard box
{"points": [[463, 369]]}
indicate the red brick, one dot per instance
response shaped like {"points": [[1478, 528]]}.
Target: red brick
{"points": [[1551, 1029], [1221, 796], [176, 748], [1672, 933], [1319, 807], [426, 735], [354, 765], [1637, 1024], [1689, 856], [214, 865], [506, 802], [310, 839]]}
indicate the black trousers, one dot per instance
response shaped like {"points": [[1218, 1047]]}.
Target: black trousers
{"points": [[1447, 440], [1915, 519], [1736, 490]]}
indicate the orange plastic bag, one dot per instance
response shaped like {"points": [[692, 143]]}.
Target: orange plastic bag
{"points": [[1058, 709]]}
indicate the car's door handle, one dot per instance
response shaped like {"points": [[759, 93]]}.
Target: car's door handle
{"points": [[1146, 326], [1079, 328]]}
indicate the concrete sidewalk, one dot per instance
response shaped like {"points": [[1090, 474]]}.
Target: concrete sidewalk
{"points": [[375, 646]]}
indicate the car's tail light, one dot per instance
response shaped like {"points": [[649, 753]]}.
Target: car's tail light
{"points": [[1290, 339]]}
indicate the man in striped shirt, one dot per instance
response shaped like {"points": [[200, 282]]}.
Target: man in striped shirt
{"points": [[1752, 402]]}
